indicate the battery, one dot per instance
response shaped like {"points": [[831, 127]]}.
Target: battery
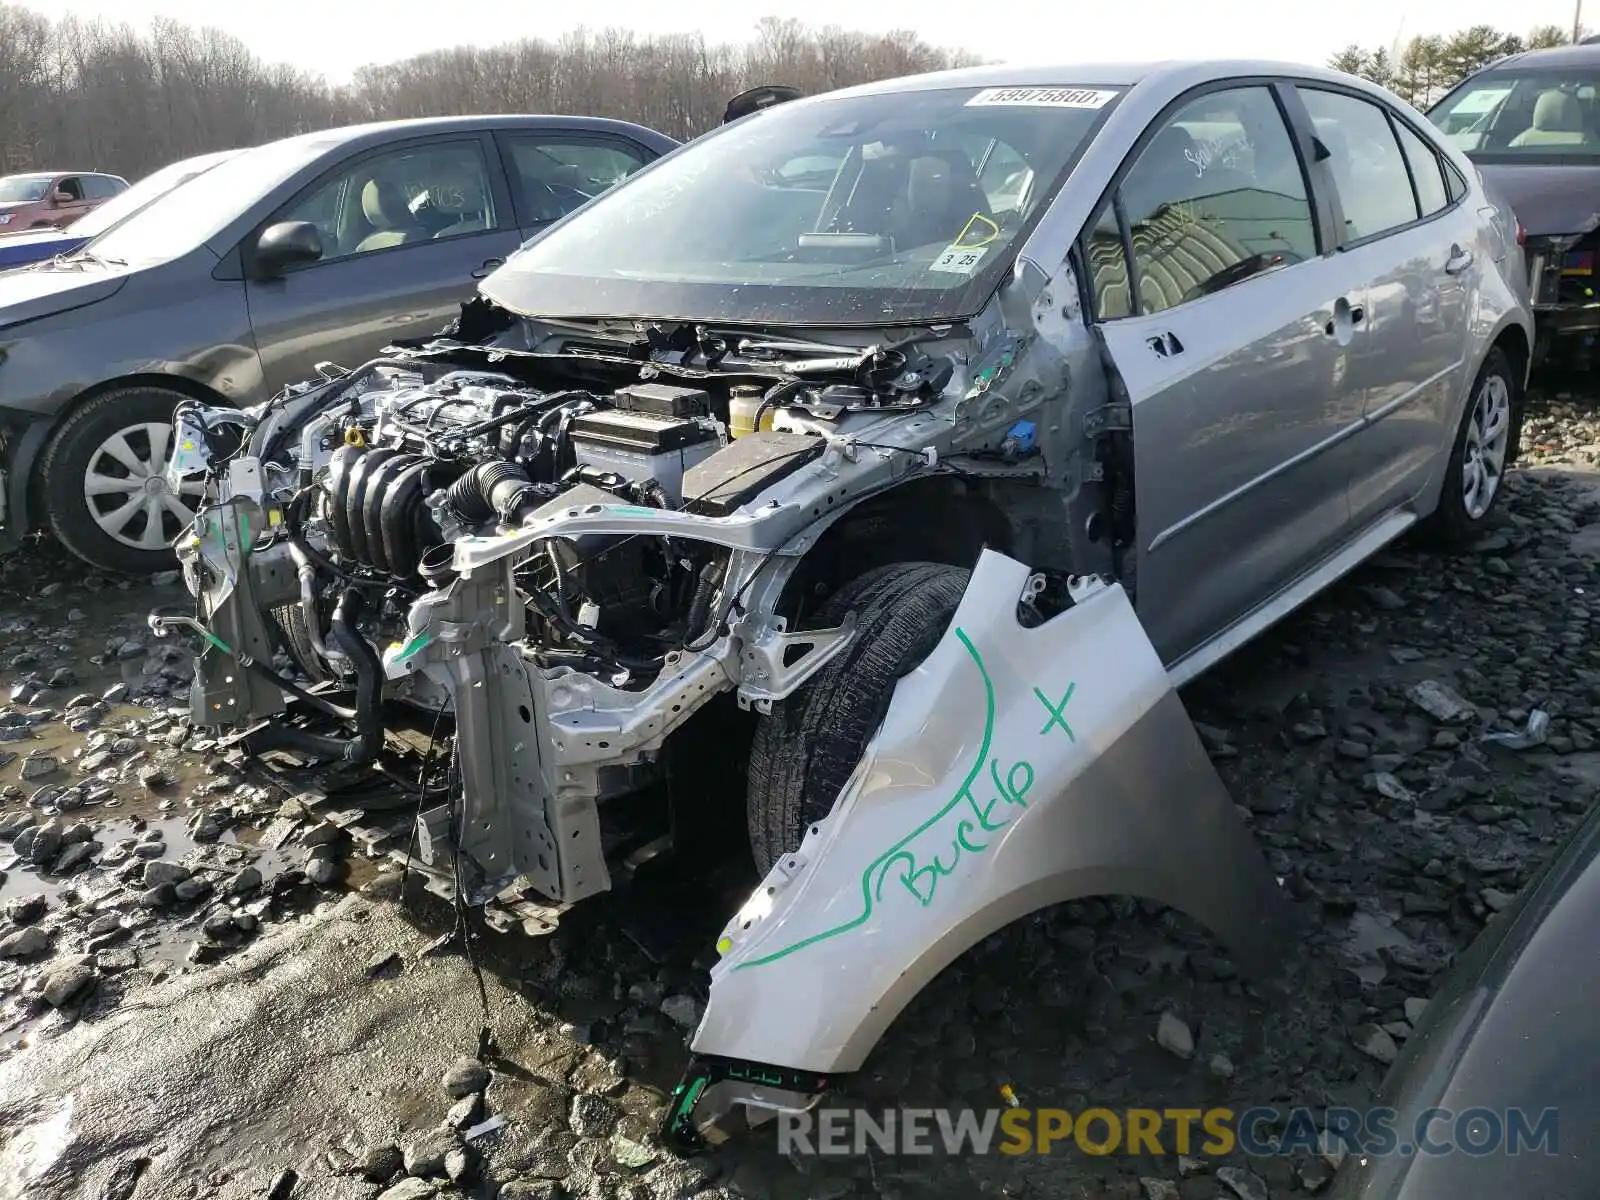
{"points": [[642, 445]]}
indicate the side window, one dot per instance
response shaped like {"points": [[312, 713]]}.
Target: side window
{"points": [[1368, 168], [1216, 196], [1453, 182], [99, 187], [1108, 268], [1426, 171], [558, 175], [400, 198], [72, 186]]}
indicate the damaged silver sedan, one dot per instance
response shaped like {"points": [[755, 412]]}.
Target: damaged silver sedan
{"points": [[883, 459]]}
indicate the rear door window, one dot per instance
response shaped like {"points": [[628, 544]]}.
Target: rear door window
{"points": [[1426, 171], [555, 174], [1368, 167]]}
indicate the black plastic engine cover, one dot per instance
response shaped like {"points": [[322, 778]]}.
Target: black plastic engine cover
{"points": [[742, 470]]}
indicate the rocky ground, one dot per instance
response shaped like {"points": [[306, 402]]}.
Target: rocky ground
{"points": [[206, 995]]}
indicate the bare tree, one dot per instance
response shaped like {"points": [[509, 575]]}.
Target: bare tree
{"points": [[80, 94]]}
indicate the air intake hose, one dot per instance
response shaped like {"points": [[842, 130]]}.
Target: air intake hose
{"points": [[369, 678], [491, 490]]}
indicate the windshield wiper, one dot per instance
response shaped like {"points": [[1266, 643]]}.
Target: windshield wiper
{"points": [[83, 254], [772, 347]]}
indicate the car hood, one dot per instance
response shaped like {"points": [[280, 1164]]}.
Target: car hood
{"points": [[1548, 199], [1512, 1027], [29, 295], [36, 237]]}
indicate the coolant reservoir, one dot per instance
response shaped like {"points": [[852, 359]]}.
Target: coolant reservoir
{"points": [[744, 401]]}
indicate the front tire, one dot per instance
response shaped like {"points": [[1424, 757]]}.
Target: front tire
{"points": [[806, 749], [102, 481], [1482, 450]]}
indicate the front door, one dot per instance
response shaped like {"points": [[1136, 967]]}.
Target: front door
{"points": [[1234, 339], [407, 233]]}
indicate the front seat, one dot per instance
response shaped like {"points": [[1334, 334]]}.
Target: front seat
{"points": [[384, 205], [471, 211], [941, 198], [1557, 121]]}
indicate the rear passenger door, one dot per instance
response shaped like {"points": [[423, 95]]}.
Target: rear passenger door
{"points": [[407, 231], [1233, 333], [1403, 224], [555, 172]]}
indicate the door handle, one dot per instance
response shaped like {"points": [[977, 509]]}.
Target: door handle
{"points": [[487, 266], [1458, 261]]}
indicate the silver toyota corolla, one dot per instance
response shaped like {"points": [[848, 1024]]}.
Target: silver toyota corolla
{"points": [[900, 449]]}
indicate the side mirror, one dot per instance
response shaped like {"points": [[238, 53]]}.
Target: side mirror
{"points": [[62, 196], [286, 244]]}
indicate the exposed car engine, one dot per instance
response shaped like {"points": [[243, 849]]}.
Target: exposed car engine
{"points": [[389, 483]]}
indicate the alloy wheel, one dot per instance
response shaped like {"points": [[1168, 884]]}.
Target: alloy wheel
{"points": [[1488, 436]]}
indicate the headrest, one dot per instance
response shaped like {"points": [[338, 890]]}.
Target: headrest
{"points": [[934, 179], [1557, 112], [385, 205]]}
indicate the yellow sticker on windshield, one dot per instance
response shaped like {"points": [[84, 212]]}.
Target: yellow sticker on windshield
{"points": [[978, 231]]}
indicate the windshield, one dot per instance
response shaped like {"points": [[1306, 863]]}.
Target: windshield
{"points": [[186, 217], [1514, 115], [859, 210], [148, 189], [23, 189]]}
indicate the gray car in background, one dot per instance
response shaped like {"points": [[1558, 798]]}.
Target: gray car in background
{"points": [[322, 247], [1531, 124]]}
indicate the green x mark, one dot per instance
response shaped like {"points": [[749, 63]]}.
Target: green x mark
{"points": [[1056, 711]]}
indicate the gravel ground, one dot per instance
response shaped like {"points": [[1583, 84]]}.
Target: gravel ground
{"points": [[191, 1003]]}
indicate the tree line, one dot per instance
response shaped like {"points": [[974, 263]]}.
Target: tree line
{"points": [[1428, 67], [96, 95]]}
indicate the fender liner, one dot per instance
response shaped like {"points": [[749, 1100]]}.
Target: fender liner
{"points": [[1015, 768]]}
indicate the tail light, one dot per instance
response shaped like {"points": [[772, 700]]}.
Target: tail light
{"points": [[1522, 234]]}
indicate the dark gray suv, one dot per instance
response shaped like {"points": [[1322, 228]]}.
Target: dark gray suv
{"points": [[318, 248]]}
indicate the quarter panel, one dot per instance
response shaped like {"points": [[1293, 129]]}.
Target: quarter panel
{"points": [[168, 320]]}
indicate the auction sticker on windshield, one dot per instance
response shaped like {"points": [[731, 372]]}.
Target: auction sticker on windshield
{"points": [[1043, 97], [959, 260]]}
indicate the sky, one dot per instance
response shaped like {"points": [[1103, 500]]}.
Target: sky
{"points": [[333, 37]]}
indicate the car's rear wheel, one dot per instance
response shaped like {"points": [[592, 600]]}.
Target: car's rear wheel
{"points": [[104, 486], [805, 749], [1482, 451]]}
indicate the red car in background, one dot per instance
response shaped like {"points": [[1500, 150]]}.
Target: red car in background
{"points": [[40, 199]]}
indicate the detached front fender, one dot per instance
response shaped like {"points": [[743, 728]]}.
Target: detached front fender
{"points": [[1015, 768]]}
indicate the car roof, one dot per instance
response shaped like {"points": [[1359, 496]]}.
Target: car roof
{"points": [[1584, 54], [58, 174], [1165, 74], [375, 133]]}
